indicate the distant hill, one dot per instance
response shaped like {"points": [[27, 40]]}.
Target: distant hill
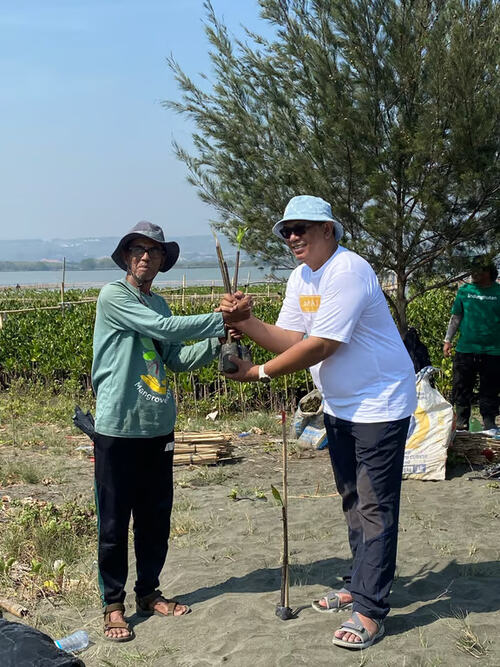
{"points": [[200, 248]]}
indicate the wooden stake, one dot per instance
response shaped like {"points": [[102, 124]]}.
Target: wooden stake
{"points": [[236, 270], [285, 588], [62, 283], [13, 608]]}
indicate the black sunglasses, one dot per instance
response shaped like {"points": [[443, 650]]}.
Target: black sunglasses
{"points": [[299, 229], [139, 250]]}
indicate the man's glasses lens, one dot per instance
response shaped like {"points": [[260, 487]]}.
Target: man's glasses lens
{"points": [[298, 230], [139, 250]]}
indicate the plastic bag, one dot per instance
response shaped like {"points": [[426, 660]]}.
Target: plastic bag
{"points": [[430, 432], [24, 646], [308, 423]]}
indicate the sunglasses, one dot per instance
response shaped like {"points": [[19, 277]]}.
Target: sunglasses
{"points": [[139, 250], [299, 229]]}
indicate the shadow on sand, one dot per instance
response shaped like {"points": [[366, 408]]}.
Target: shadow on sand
{"points": [[441, 593]]}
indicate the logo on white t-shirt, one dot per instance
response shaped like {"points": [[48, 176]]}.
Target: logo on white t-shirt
{"points": [[309, 303]]}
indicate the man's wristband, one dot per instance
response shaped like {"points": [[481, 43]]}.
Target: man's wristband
{"points": [[263, 376]]}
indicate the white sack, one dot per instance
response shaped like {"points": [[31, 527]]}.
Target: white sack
{"points": [[430, 432]]}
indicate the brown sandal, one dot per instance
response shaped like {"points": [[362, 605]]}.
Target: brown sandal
{"points": [[109, 624], [145, 605]]}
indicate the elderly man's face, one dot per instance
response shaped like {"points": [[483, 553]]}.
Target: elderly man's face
{"points": [[144, 258]]}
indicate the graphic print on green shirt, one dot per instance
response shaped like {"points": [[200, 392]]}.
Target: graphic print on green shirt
{"points": [[480, 325], [153, 365]]}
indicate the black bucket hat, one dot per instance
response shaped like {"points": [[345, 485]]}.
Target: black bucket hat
{"points": [[483, 263], [147, 230]]}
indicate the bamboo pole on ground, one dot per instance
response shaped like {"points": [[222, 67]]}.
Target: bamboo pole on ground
{"points": [[13, 608], [285, 508], [202, 436], [283, 610]]}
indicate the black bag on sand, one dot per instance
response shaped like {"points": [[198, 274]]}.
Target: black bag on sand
{"points": [[23, 646]]}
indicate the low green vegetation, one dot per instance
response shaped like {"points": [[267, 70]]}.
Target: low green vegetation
{"points": [[54, 347], [19, 471], [183, 521], [46, 550]]}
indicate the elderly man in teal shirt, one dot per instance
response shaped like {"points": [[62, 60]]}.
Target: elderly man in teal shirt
{"points": [[136, 338]]}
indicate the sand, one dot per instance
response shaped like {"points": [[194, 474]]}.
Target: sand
{"points": [[446, 594]]}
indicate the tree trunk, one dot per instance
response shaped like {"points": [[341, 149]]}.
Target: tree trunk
{"points": [[401, 304]]}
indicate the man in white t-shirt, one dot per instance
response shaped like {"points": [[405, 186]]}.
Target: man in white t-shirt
{"points": [[336, 322]]}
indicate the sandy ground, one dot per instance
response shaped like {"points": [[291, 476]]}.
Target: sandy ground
{"points": [[445, 599]]}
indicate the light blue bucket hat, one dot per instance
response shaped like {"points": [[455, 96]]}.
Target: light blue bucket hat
{"points": [[313, 209]]}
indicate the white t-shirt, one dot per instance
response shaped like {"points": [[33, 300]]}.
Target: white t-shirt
{"points": [[370, 377]]}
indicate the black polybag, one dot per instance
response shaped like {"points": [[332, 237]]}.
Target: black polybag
{"points": [[24, 646], [417, 350], [84, 421]]}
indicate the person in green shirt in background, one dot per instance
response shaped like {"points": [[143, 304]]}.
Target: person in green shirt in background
{"points": [[135, 338], [476, 312]]}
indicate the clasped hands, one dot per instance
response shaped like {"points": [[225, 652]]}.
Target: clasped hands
{"points": [[235, 309]]}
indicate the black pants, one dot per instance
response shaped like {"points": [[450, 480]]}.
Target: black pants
{"points": [[367, 461], [466, 368], [133, 476]]}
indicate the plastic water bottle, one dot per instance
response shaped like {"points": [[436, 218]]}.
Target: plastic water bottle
{"points": [[73, 643], [475, 425]]}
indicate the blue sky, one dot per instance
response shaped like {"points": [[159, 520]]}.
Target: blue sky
{"points": [[85, 144]]}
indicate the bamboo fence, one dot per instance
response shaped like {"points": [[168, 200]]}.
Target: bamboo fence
{"points": [[476, 448], [171, 298]]}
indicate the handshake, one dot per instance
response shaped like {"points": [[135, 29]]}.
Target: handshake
{"points": [[235, 308]]}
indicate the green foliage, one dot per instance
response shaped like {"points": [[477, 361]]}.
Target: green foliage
{"points": [[52, 344], [53, 348], [429, 314], [276, 495], [388, 110], [240, 235], [46, 351], [6, 564]]}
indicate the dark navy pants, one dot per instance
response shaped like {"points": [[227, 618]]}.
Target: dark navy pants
{"points": [[367, 461], [133, 477], [466, 368]]}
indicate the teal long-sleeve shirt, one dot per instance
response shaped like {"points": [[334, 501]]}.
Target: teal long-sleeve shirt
{"points": [[128, 372]]}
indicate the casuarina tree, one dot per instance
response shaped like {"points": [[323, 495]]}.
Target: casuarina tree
{"points": [[387, 109]]}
